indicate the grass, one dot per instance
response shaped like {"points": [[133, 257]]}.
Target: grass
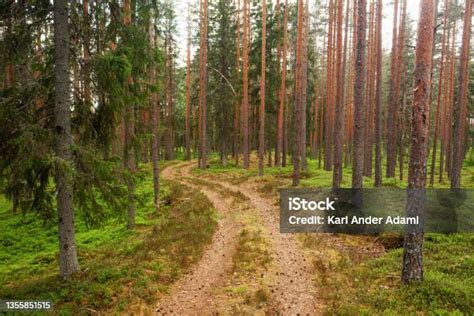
{"points": [[250, 263], [373, 285], [121, 270]]}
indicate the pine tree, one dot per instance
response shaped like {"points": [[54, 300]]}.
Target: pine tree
{"points": [[129, 152], [378, 98], [155, 114], [460, 106], [261, 136], [203, 85], [245, 84], [282, 91], [359, 97], [339, 106], [68, 263], [298, 96], [440, 90], [392, 99], [329, 130], [412, 270], [188, 91]]}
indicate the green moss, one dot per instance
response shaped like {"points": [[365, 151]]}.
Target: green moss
{"points": [[118, 267]]}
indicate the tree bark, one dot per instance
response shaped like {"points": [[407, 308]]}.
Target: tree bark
{"points": [[412, 270], [238, 101], [281, 108], [378, 99], [304, 86], [298, 96], [359, 98], [203, 86], [329, 90], [392, 99], [339, 106], [462, 98], [440, 91], [155, 118], [188, 92], [68, 263], [261, 136], [245, 97], [129, 153]]}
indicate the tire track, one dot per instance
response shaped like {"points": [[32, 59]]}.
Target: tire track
{"points": [[194, 293], [291, 282]]}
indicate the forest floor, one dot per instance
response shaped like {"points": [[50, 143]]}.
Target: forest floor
{"points": [[215, 247], [284, 283], [321, 273]]}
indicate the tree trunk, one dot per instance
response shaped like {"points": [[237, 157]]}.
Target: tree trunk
{"points": [[282, 97], [304, 86], [440, 91], [245, 97], [339, 106], [203, 84], [261, 136], [86, 65], [359, 98], [368, 97], [392, 99], [155, 117], [459, 110], [329, 90], [378, 99], [169, 99], [345, 98], [412, 270], [68, 263], [445, 106], [129, 153], [298, 96], [188, 92], [238, 100]]}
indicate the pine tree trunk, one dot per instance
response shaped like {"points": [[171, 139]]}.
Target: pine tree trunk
{"points": [[368, 97], [329, 90], [68, 263], [359, 98], [412, 270], [261, 136], [378, 99], [298, 96], [339, 106], [155, 117], [188, 92], [169, 99], [238, 101], [445, 105], [304, 86], [245, 97], [86, 65], [440, 91], [129, 153], [345, 101], [282, 97], [461, 101], [392, 99], [203, 86]]}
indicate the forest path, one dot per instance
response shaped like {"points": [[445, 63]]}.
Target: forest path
{"points": [[289, 280], [194, 293]]}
